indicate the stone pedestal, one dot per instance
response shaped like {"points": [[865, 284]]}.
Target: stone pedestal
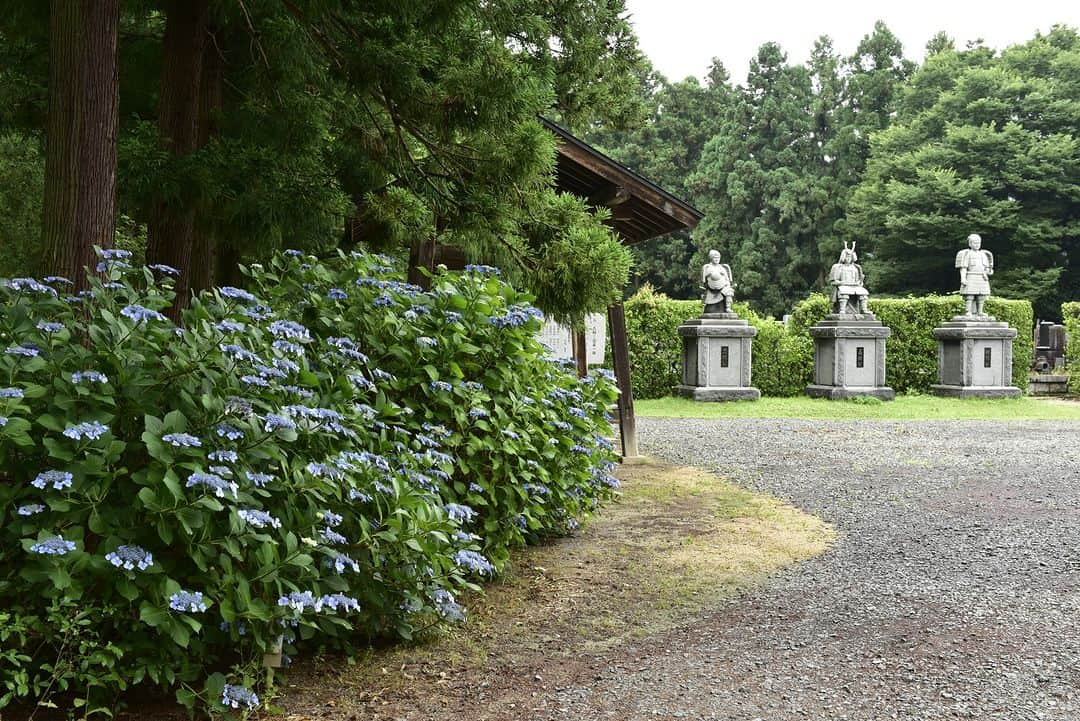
{"points": [[975, 358], [849, 357], [716, 358]]}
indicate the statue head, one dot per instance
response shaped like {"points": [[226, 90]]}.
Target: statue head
{"points": [[974, 241], [714, 256], [847, 255]]}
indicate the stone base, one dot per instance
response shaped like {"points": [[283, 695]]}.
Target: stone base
{"points": [[1048, 384], [716, 358], [975, 358], [849, 357], [976, 391], [718, 393], [839, 393]]}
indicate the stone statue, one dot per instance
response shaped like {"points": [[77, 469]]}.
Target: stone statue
{"points": [[976, 266], [719, 290], [846, 277]]}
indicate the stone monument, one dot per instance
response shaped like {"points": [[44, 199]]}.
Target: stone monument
{"points": [[974, 349], [849, 344], [716, 345]]}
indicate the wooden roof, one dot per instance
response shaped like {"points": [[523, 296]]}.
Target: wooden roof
{"points": [[640, 209]]}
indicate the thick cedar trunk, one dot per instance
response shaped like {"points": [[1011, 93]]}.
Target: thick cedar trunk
{"points": [[172, 222], [205, 247], [80, 152]]}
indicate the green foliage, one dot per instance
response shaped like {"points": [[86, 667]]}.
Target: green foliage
{"points": [[911, 350], [22, 182], [286, 457], [1070, 314], [981, 143]]}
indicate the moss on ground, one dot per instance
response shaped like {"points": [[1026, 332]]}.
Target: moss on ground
{"points": [[678, 545]]}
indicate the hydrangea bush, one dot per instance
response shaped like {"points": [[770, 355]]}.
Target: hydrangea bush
{"points": [[327, 456]]}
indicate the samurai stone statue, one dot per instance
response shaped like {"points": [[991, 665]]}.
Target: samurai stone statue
{"points": [[719, 290], [976, 266], [846, 277]]}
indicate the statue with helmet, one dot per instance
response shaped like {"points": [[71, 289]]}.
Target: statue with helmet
{"points": [[848, 295]]}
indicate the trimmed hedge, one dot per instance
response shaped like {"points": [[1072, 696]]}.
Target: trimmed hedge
{"points": [[1070, 316], [784, 355]]}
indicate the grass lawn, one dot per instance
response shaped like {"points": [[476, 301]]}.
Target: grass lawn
{"points": [[904, 408]]}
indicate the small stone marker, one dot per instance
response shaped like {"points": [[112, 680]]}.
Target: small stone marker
{"points": [[716, 358], [849, 344], [975, 350]]}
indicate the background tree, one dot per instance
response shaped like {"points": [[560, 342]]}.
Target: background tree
{"points": [[982, 143]]}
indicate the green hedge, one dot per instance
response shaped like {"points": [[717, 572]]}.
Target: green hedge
{"points": [[784, 356], [911, 351], [1070, 315]]}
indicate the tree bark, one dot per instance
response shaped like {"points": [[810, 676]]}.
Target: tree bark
{"points": [[171, 231], [205, 250], [80, 147]]}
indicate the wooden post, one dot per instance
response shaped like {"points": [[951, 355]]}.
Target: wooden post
{"points": [[620, 355], [580, 354]]}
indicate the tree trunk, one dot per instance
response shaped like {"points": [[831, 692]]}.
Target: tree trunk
{"points": [[205, 250], [171, 229], [81, 129]]}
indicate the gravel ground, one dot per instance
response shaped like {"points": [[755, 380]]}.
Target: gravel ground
{"points": [[953, 590]]}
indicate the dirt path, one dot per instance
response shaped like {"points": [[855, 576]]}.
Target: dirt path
{"points": [[952, 592]]}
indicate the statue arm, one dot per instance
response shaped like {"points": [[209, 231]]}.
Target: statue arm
{"points": [[989, 262], [961, 263], [730, 277], [834, 274]]}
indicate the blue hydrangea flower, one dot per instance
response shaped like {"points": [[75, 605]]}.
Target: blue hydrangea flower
{"points": [[289, 330], [21, 284], [537, 488], [181, 440], [257, 518], [274, 423], [90, 376], [188, 602], [478, 413], [255, 381], [130, 557], [341, 563], [332, 537], [49, 327], [239, 353], [331, 519], [53, 546], [293, 253], [57, 279], [286, 366], [337, 602], [166, 269], [473, 561], [462, 537], [223, 471], [257, 312], [511, 435], [288, 347], [115, 254], [482, 269], [3, 421], [460, 513], [426, 341], [446, 606], [212, 481], [226, 430], [30, 509], [224, 456], [237, 294], [230, 326], [259, 479], [337, 294], [475, 488], [140, 314], [441, 386], [57, 479], [11, 393], [26, 350], [355, 495]]}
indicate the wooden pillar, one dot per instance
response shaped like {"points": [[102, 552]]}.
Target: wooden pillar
{"points": [[422, 255], [580, 353], [620, 355]]}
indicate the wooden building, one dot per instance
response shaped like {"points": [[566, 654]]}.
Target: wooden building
{"points": [[640, 210]]}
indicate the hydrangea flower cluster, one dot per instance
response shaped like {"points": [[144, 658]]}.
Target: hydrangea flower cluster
{"points": [[182, 440], [239, 697], [90, 431], [130, 557], [53, 546], [188, 602], [474, 561], [59, 480]]}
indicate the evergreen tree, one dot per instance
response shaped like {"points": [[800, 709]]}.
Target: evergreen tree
{"points": [[982, 143]]}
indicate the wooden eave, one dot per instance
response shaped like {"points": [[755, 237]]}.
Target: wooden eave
{"points": [[640, 209]]}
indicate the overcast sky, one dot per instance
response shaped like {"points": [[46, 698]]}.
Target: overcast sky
{"points": [[682, 36]]}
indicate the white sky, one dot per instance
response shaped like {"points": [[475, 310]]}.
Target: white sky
{"points": [[682, 36]]}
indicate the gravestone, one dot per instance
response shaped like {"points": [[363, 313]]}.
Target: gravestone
{"points": [[559, 338], [849, 344], [975, 350], [716, 357]]}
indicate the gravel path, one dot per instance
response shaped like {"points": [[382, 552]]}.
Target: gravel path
{"points": [[952, 592]]}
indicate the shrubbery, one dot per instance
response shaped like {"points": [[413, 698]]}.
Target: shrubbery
{"points": [[1070, 315], [331, 456], [783, 357]]}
